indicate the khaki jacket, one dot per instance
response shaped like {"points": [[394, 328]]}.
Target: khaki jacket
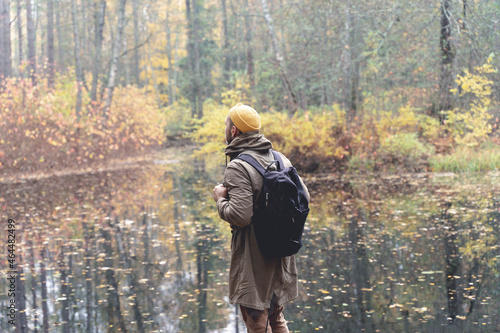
{"points": [[253, 279]]}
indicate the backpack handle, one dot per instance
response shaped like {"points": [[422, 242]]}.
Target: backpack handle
{"points": [[277, 158], [271, 164]]}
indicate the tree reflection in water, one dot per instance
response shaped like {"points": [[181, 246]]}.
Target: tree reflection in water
{"points": [[143, 250]]}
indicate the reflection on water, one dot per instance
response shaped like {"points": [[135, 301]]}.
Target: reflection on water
{"points": [[143, 250]]}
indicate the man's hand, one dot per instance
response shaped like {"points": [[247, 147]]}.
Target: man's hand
{"points": [[219, 192]]}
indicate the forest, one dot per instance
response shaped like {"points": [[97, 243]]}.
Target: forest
{"points": [[365, 87], [112, 138]]}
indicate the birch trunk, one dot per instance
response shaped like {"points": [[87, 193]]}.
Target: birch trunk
{"points": [[248, 44], [99, 28], [19, 34], [171, 86], [115, 58], [135, 11], [50, 41], [5, 43], [194, 58], [447, 58], [227, 62], [59, 32], [78, 64], [31, 41]]}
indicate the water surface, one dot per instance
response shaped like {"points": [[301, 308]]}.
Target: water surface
{"points": [[142, 249]]}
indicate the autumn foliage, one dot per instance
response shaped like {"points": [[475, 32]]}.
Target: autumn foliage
{"points": [[40, 130], [406, 139]]}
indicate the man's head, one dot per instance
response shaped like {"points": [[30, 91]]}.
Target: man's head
{"points": [[242, 118]]}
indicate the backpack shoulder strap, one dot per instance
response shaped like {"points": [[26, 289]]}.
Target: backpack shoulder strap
{"points": [[250, 160], [278, 158]]}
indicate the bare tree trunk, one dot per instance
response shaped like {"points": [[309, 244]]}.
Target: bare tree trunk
{"points": [[99, 16], [115, 58], [175, 71], [19, 34], [278, 56], [78, 64], [124, 66], [135, 13], [226, 54], [447, 58], [83, 31], [43, 281], [171, 80], [248, 44], [197, 67], [50, 41], [5, 43], [59, 32], [31, 41], [153, 76], [194, 58], [351, 65]]}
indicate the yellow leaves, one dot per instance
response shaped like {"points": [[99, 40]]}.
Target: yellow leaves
{"points": [[310, 136], [405, 120], [470, 127], [53, 142]]}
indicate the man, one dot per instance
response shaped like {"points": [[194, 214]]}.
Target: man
{"points": [[259, 285]]}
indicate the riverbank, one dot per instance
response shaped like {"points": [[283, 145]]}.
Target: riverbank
{"points": [[176, 153], [167, 155]]}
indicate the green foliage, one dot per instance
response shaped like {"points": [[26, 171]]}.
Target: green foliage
{"points": [[209, 133], [429, 128], [179, 117], [467, 159], [319, 138], [405, 149], [471, 127], [386, 139]]}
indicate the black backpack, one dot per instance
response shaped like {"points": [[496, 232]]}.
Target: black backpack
{"points": [[281, 209]]}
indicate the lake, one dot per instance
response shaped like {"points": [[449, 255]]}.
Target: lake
{"points": [[140, 248]]}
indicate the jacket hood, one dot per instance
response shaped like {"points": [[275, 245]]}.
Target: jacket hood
{"points": [[252, 140]]}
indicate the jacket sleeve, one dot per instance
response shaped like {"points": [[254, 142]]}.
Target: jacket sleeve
{"points": [[237, 209]]}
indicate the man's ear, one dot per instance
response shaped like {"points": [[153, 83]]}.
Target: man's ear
{"points": [[234, 131]]}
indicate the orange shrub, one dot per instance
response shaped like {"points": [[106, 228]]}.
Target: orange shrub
{"points": [[40, 130]]}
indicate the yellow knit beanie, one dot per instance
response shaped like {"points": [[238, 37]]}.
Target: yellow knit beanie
{"points": [[244, 118]]}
